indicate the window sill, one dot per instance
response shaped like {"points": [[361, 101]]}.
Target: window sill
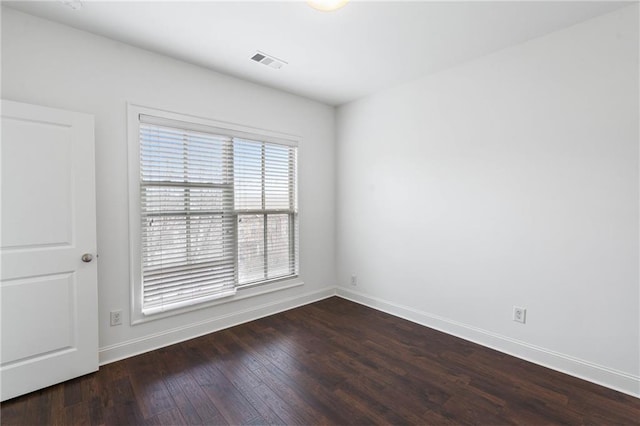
{"points": [[243, 292]]}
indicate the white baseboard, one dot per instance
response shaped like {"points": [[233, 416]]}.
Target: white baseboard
{"points": [[604, 376], [148, 343]]}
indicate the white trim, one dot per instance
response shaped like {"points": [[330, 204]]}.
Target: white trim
{"points": [[604, 376], [242, 292], [155, 341], [202, 125], [233, 129], [135, 248]]}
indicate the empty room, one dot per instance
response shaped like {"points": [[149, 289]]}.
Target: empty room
{"points": [[320, 212]]}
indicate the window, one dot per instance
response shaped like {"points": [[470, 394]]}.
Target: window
{"points": [[217, 211], [265, 204]]}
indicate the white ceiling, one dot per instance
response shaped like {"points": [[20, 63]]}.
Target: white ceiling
{"points": [[332, 57]]}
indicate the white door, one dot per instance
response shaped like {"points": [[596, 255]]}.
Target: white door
{"points": [[48, 293]]}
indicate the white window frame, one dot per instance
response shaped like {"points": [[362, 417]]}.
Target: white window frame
{"points": [[223, 128]]}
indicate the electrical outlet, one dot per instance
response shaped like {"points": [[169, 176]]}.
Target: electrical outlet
{"points": [[519, 314], [354, 280], [116, 318]]}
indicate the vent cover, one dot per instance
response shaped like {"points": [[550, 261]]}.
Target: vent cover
{"points": [[268, 60]]}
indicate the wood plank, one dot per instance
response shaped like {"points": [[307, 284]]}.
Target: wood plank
{"points": [[168, 418], [199, 401], [125, 409], [148, 386], [228, 400], [72, 392]]}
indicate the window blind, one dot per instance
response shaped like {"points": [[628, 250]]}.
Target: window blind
{"points": [[217, 212], [188, 223], [266, 204]]}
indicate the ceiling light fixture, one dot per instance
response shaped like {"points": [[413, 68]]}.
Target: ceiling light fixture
{"points": [[326, 5], [73, 4]]}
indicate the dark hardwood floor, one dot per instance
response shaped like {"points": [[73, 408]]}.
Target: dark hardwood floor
{"points": [[331, 362]]}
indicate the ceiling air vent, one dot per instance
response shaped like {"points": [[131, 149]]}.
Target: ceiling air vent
{"points": [[268, 60]]}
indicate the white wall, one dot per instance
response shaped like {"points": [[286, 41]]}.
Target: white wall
{"points": [[53, 65], [509, 180]]}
